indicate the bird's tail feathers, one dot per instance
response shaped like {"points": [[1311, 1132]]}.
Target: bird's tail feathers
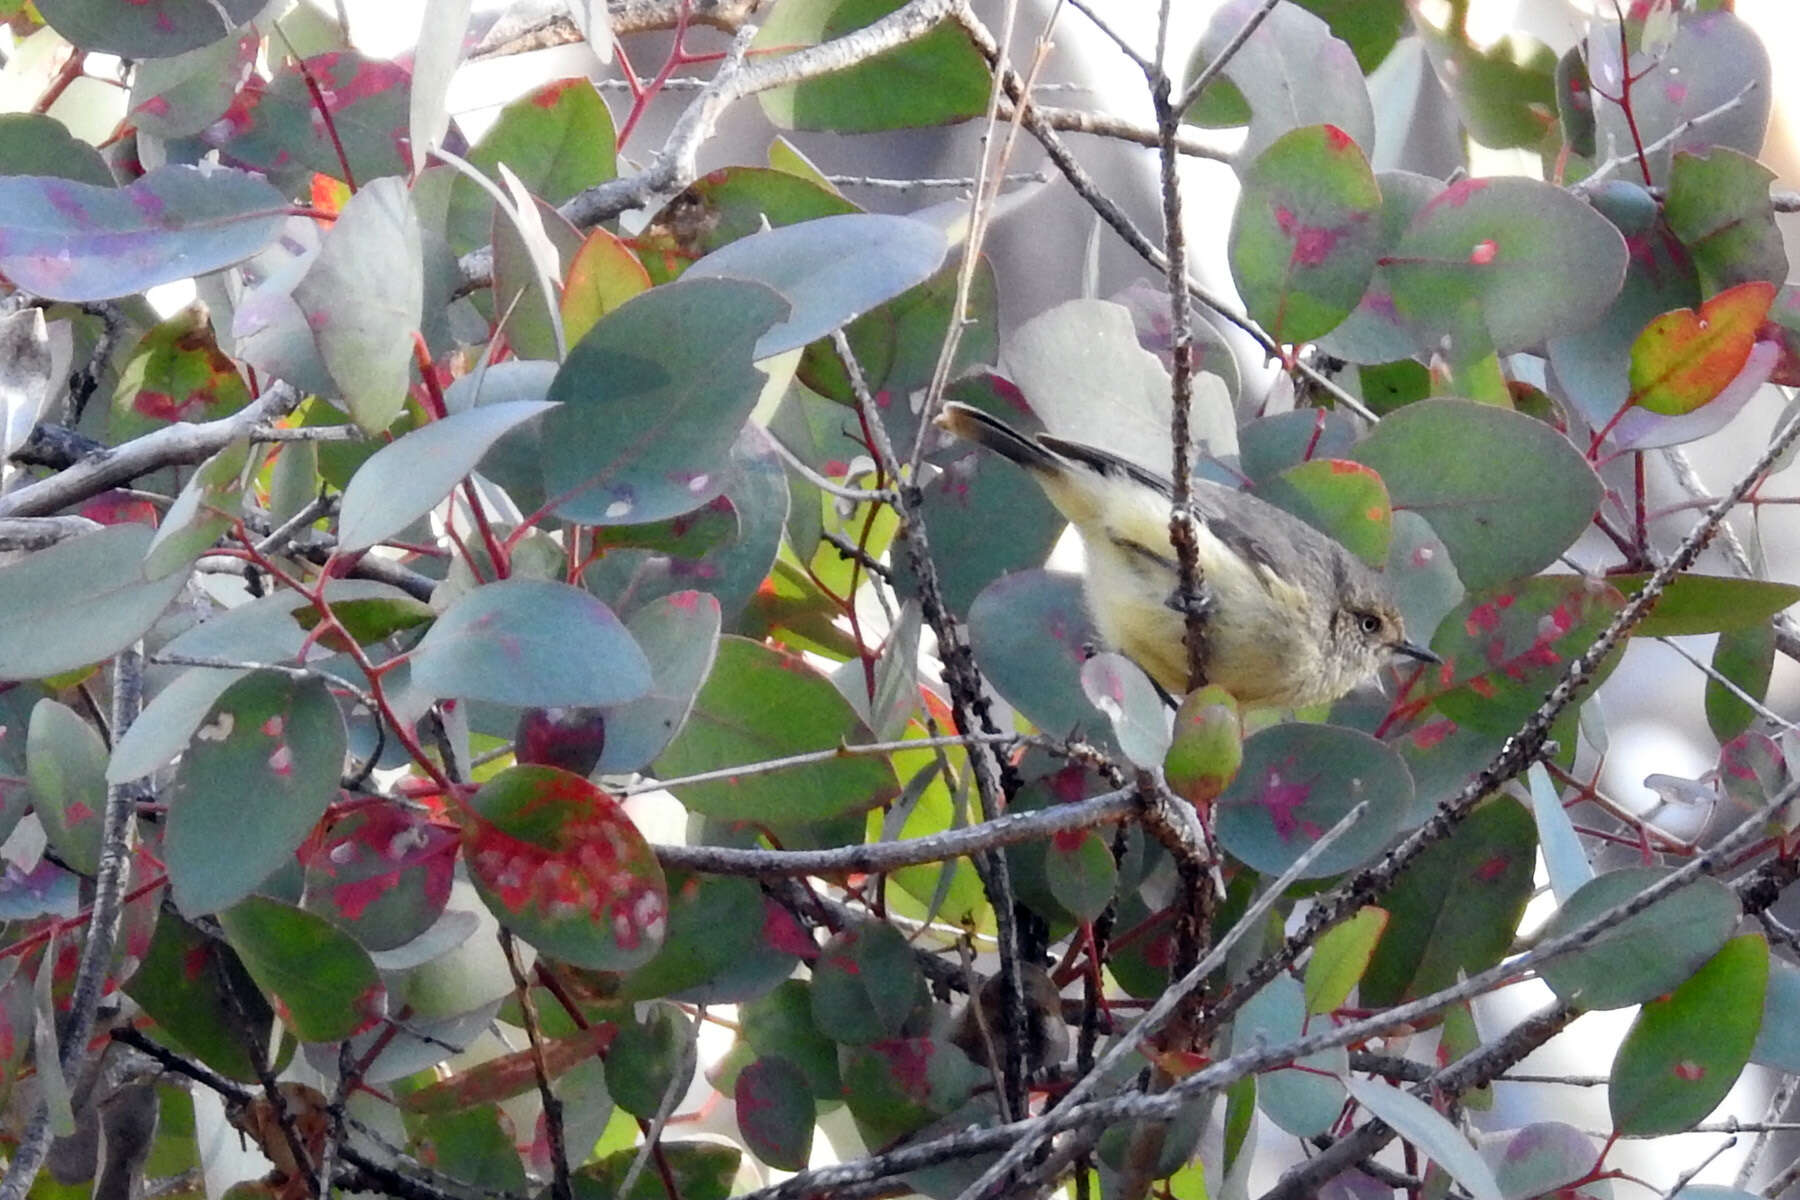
{"points": [[971, 424]]}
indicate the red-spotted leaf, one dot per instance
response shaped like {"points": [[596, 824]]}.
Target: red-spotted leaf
{"points": [[1752, 770], [561, 865], [65, 763], [509, 1075], [897, 1085], [156, 29], [382, 873], [1376, 332], [639, 437], [1306, 233], [1687, 1048], [274, 127], [323, 985], [865, 984], [196, 990], [76, 241], [1298, 781], [760, 703], [1344, 499], [1462, 466], [1207, 747], [1684, 358], [603, 275], [1644, 955], [726, 941], [1504, 649], [1533, 258], [557, 139], [178, 97], [176, 373], [776, 1112], [257, 775], [1454, 910], [530, 642]]}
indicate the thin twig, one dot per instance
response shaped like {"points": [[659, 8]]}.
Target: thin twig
{"points": [[690, 1053], [111, 880], [845, 750], [561, 1186]]}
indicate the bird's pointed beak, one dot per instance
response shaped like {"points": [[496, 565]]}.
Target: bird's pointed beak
{"points": [[1418, 652]]}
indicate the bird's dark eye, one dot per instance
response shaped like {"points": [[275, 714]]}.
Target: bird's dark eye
{"points": [[1370, 623]]}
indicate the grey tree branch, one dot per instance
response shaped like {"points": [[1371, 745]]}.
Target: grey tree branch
{"points": [[182, 443]]}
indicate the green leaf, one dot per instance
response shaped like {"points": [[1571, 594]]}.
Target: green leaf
{"points": [[1083, 876], [1505, 92], [1718, 205], [700, 1170], [1463, 466], [1298, 781], [1715, 67], [209, 503], [936, 79], [1746, 657], [558, 862], [258, 774], [898, 1085], [65, 762], [1370, 27], [36, 144], [1291, 72], [324, 986], [1430, 1131], [679, 634], [406, 478], [1698, 604], [780, 1024], [640, 436], [1778, 1041], [1340, 957], [1687, 1048], [642, 1065], [557, 139], [830, 270], [1119, 688], [1031, 634], [761, 704], [602, 275], [1455, 908], [180, 96], [1344, 500], [1532, 259], [364, 299], [1645, 955], [776, 1112], [79, 602], [1302, 1098], [1306, 233], [725, 205], [146, 31], [530, 642]]}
